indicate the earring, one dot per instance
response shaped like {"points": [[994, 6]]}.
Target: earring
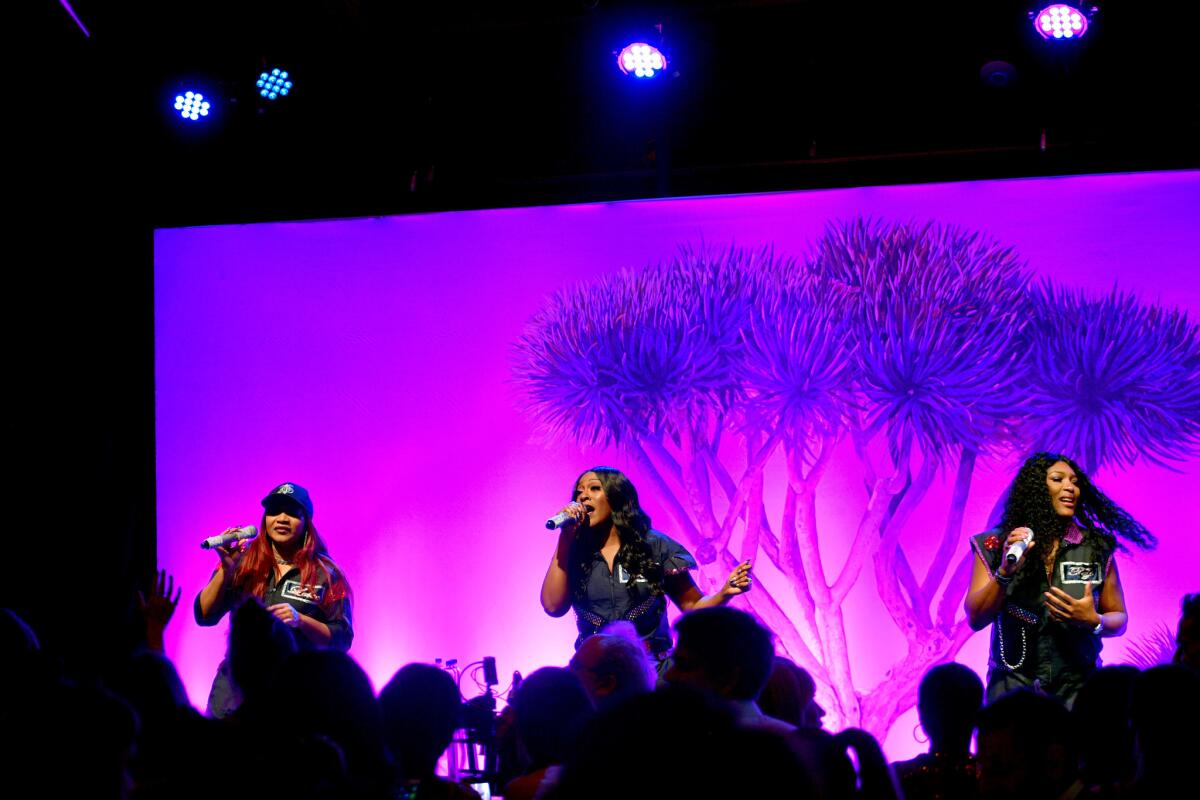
{"points": [[919, 734]]}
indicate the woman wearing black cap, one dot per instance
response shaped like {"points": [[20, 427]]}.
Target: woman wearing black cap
{"points": [[287, 569]]}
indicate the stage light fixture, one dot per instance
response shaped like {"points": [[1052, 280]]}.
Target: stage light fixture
{"points": [[274, 84], [641, 60], [1061, 22], [998, 74], [192, 105]]}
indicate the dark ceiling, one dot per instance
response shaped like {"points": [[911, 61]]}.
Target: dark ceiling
{"points": [[452, 105]]}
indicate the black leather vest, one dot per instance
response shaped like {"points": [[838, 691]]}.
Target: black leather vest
{"points": [[1025, 638]]}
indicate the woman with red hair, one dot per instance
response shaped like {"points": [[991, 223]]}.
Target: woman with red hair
{"points": [[289, 571]]}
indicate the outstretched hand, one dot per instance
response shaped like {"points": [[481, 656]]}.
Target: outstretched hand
{"points": [[157, 606]]}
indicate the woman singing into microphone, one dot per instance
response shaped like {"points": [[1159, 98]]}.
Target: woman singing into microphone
{"points": [[1050, 607], [288, 569], [610, 565]]}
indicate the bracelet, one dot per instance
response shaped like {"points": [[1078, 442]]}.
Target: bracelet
{"points": [[1002, 579], [1099, 629]]}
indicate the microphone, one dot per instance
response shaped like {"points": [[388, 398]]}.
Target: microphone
{"points": [[562, 518], [248, 532], [1017, 549]]}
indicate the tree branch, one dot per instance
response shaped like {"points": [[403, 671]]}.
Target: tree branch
{"points": [[952, 533], [829, 621], [754, 469], [866, 539], [891, 567], [794, 570], [956, 591], [700, 501], [896, 566], [689, 532], [764, 606]]}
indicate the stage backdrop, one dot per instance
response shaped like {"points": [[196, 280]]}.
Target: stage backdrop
{"points": [[838, 384]]}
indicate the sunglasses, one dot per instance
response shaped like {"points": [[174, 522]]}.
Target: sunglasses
{"points": [[284, 507]]}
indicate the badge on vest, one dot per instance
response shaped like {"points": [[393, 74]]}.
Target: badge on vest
{"points": [[623, 576], [1080, 572], [293, 590]]}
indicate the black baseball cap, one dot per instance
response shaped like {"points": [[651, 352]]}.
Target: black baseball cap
{"points": [[292, 492]]}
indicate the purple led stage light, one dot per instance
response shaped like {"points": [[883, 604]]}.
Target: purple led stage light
{"points": [[641, 60], [192, 105], [1060, 21], [274, 84]]}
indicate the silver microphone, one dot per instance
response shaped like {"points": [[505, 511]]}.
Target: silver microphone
{"points": [[248, 532], [1017, 549], [562, 518]]}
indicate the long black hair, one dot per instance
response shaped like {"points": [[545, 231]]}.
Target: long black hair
{"points": [[633, 526], [1029, 505]]}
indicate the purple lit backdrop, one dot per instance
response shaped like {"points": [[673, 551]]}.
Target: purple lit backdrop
{"points": [[369, 360]]}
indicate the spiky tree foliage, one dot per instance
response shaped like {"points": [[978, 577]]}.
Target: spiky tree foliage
{"points": [[1126, 374], [913, 340], [1153, 648], [627, 355], [938, 310], [797, 362]]}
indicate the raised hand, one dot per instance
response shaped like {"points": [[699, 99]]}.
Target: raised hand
{"points": [[157, 606], [740, 581]]}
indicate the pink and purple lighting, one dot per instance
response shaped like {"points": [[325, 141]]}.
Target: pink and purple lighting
{"points": [[1060, 21], [371, 361], [641, 60]]}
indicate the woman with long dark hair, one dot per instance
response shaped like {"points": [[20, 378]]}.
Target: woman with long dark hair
{"points": [[1050, 608], [288, 569], [610, 565]]}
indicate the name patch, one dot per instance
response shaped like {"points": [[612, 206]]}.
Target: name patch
{"points": [[623, 576], [293, 590], [1080, 572]]}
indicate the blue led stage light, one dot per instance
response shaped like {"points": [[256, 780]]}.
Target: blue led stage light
{"points": [[192, 105], [641, 60], [274, 84]]}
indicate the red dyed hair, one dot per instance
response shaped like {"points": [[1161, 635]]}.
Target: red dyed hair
{"points": [[316, 567]]}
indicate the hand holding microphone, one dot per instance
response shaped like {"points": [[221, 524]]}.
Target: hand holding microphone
{"points": [[229, 536], [1015, 548], [230, 545], [574, 512]]}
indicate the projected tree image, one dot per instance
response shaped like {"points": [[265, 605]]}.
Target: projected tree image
{"points": [[926, 348]]}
